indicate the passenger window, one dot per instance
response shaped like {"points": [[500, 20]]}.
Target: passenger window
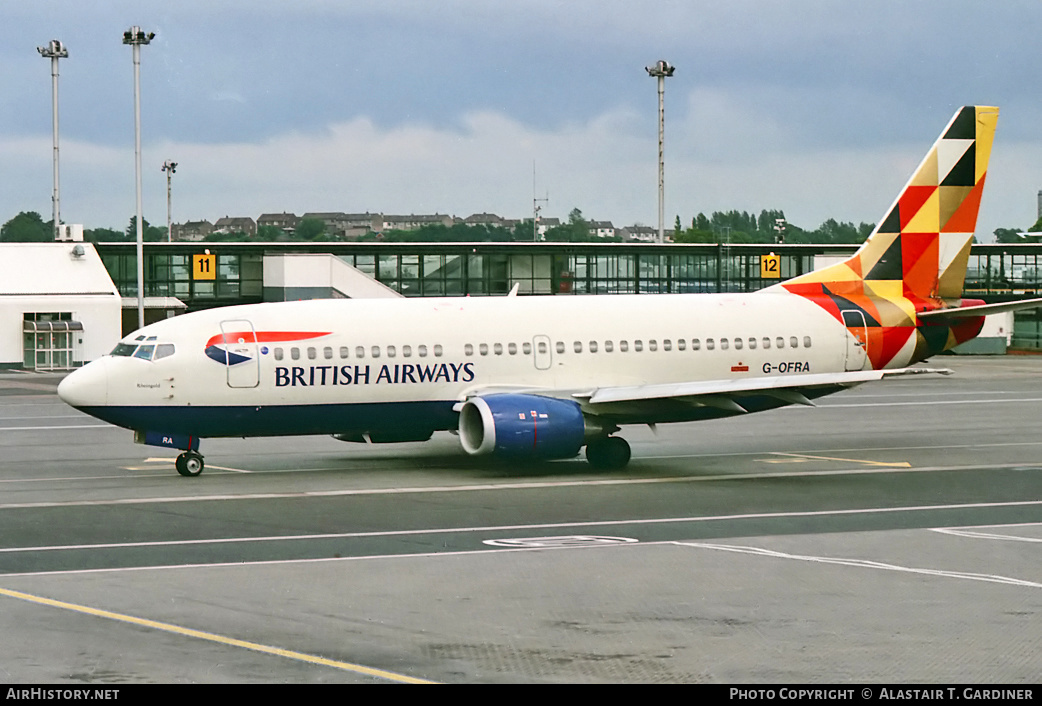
{"points": [[483, 348], [497, 348], [766, 342], [738, 344], [710, 344], [608, 346], [312, 353], [359, 352], [294, 353], [695, 344], [144, 352], [526, 348], [577, 347], [163, 350], [653, 345], [624, 346], [794, 342], [344, 351], [681, 344], [723, 344], [752, 343], [468, 349], [593, 346], [327, 352], [667, 345], [779, 342], [806, 341], [278, 354], [543, 347], [512, 348], [560, 346], [376, 351], [422, 351], [638, 346], [391, 351], [406, 351], [437, 350]]}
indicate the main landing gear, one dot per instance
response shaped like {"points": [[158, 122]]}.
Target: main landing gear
{"points": [[190, 463], [609, 453]]}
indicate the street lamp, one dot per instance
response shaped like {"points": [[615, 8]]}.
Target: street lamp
{"points": [[661, 70], [54, 51], [168, 167], [136, 37]]}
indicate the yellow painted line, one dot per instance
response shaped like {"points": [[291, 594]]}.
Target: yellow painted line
{"points": [[896, 464], [211, 637]]}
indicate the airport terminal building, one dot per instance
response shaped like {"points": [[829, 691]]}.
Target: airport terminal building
{"points": [[96, 292], [58, 306]]}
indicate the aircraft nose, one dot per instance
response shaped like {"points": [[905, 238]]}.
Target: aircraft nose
{"points": [[86, 387]]}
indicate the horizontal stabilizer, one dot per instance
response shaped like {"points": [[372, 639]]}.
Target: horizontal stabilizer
{"points": [[980, 310]]}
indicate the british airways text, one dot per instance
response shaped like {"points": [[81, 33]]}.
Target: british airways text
{"points": [[336, 375]]}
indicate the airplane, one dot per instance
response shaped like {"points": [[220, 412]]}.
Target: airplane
{"points": [[542, 377]]}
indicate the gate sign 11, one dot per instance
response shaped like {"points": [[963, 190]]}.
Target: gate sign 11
{"points": [[205, 267]]}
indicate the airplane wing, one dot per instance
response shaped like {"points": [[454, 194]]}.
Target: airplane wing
{"points": [[728, 394], [629, 404]]}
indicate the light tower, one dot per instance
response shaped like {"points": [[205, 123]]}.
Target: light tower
{"points": [[136, 37], [54, 51], [661, 70], [169, 167]]}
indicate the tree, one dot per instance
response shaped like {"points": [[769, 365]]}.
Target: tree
{"points": [[309, 229], [27, 227], [149, 233]]}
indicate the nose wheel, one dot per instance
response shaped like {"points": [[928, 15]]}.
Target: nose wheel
{"points": [[189, 464]]}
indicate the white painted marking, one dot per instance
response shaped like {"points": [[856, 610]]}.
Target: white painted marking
{"points": [[575, 540], [484, 487], [513, 528], [987, 535], [927, 403], [864, 564]]}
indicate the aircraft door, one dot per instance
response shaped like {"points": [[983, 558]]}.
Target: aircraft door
{"points": [[241, 355], [542, 354], [857, 339]]}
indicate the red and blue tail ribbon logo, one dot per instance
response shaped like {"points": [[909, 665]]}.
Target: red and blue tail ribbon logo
{"points": [[235, 347]]}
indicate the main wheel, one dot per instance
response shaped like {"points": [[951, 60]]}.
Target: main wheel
{"points": [[609, 453], [189, 464]]}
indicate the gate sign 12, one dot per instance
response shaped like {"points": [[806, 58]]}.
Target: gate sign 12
{"points": [[770, 266]]}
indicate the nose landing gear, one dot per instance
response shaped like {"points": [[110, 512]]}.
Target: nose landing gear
{"points": [[189, 464]]}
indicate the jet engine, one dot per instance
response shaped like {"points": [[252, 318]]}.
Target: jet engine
{"points": [[522, 425]]}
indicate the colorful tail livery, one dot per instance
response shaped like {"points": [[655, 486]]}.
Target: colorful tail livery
{"points": [[543, 376], [915, 259]]}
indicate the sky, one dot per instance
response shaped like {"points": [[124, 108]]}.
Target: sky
{"points": [[821, 109]]}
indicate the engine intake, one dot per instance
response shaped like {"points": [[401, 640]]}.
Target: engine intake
{"points": [[530, 426]]}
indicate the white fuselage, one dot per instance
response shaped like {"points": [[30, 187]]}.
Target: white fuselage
{"points": [[364, 352]]}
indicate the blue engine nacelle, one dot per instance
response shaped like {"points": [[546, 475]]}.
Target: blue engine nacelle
{"points": [[529, 426]]}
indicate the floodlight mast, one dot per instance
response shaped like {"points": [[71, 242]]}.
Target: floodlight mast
{"points": [[55, 50], [136, 38], [661, 70], [169, 167]]}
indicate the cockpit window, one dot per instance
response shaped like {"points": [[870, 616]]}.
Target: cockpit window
{"points": [[124, 349], [148, 351], [163, 350]]}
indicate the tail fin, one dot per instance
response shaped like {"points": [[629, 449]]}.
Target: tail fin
{"points": [[920, 249]]}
